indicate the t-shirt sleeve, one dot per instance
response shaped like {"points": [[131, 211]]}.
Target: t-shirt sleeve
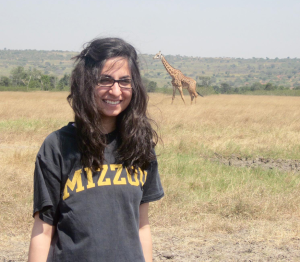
{"points": [[47, 181], [152, 189]]}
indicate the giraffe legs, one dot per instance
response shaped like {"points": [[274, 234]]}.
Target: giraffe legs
{"points": [[192, 97], [195, 96], [181, 93], [173, 97], [192, 90]]}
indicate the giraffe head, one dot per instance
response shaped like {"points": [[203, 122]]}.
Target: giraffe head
{"points": [[158, 55]]}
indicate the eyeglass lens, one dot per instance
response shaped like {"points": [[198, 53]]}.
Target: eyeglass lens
{"points": [[109, 82]]}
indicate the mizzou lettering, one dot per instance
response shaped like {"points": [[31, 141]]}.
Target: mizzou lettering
{"points": [[139, 177]]}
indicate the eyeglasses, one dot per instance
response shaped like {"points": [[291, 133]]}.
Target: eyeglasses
{"points": [[108, 82]]}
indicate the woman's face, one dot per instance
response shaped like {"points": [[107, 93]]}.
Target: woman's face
{"points": [[113, 100]]}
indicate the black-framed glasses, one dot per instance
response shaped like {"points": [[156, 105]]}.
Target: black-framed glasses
{"points": [[108, 82]]}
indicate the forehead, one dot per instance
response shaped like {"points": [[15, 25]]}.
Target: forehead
{"points": [[116, 64]]}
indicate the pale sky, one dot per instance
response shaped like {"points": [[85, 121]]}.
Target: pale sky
{"points": [[211, 28]]}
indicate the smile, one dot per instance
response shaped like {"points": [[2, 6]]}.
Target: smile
{"points": [[112, 102]]}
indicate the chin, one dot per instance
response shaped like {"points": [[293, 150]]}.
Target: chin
{"points": [[110, 114]]}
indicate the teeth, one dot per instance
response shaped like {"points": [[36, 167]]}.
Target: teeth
{"points": [[111, 102]]}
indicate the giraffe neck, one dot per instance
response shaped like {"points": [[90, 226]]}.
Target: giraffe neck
{"points": [[169, 68]]}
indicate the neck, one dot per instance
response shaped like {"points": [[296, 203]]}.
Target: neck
{"points": [[169, 68], [109, 124]]}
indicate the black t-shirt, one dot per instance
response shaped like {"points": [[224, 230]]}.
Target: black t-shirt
{"points": [[96, 215]]}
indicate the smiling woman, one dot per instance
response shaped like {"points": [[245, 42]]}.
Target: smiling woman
{"points": [[95, 177], [113, 96]]}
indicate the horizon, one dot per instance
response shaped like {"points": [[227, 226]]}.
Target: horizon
{"points": [[220, 57]]}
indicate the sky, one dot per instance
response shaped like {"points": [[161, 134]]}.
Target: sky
{"points": [[210, 28]]}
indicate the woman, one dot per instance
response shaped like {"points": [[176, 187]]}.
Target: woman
{"points": [[94, 178]]}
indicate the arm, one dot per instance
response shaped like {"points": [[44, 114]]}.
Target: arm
{"points": [[144, 232], [41, 236]]}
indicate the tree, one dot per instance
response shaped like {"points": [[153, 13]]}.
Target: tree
{"points": [[151, 87], [297, 87], [36, 74], [34, 78], [64, 82], [256, 86], [269, 86], [205, 80], [225, 88], [19, 76], [53, 81], [47, 82], [145, 81], [217, 89], [236, 90], [5, 81]]}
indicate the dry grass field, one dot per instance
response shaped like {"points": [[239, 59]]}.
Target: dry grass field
{"points": [[211, 211]]}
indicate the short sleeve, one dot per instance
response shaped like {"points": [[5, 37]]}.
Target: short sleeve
{"points": [[47, 181], [152, 189]]}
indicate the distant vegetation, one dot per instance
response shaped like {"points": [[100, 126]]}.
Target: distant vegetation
{"points": [[21, 79], [50, 70]]}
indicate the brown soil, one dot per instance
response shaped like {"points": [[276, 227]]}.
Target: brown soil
{"points": [[191, 244], [224, 247], [284, 165]]}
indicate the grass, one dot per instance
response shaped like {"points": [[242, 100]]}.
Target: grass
{"points": [[285, 92], [211, 188], [198, 191], [15, 88], [224, 197], [232, 124]]}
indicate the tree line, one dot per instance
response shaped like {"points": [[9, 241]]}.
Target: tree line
{"points": [[34, 79], [225, 88]]}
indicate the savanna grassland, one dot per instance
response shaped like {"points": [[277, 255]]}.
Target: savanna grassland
{"points": [[211, 211]]}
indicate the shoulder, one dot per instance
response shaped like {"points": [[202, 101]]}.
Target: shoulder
{"points": [[153, 165], [53, 142], [68, 131]]}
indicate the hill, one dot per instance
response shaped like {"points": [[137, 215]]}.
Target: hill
{"points": [[236, 72], [48, 62]]}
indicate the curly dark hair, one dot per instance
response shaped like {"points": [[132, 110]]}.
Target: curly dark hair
{"points": [[135, 135]]}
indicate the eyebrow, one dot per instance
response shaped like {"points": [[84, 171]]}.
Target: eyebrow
{"points": [[123, 77]]}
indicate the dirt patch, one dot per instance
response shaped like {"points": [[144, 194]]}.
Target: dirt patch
{"points": [[193, 244], [221, 247], [285, 165], [13, 249]]}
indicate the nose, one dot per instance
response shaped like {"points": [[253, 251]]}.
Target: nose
{"points": [[115, 89]]}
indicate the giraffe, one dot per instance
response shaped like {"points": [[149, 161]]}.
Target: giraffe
{"points": [[179, 80]]}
